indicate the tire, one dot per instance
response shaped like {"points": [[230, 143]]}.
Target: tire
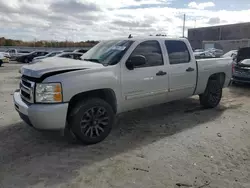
{"points": [[1, 62], [91, 120], [212, 95]]}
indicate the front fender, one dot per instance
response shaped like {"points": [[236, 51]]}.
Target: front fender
{"points": [[80, 81]]}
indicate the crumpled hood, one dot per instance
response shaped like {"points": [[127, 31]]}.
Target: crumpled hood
{"points": [[56, 64]]}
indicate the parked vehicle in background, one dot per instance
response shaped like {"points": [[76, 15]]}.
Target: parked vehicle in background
{"points": [[80, 50], [51, 54], [204, 54], [116, 76], [70, 55], [199, 50], [4, 58], [1, 59], [231, 54], [29, 57], [216, 52], [5, 54], [68, 50], [241, 66], [13, 53]]}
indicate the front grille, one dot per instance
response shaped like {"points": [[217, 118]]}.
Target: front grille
{"points": [[27, 90], [242, 70]]}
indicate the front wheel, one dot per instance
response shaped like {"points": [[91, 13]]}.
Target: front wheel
{"points": [[212, 95], [92, 120]]}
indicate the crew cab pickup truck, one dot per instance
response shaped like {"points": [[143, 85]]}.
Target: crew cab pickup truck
{"points": [[113, 77]]}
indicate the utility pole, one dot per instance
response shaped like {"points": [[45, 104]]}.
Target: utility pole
{"points": [[184, 25]]}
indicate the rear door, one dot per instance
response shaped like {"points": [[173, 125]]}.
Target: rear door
{"points": [[182, 69], [148, 84]]}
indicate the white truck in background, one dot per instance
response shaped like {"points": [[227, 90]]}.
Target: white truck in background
{"points": [[13, 53], [116, 76]]}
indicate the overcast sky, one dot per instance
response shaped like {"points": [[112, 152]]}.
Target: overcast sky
{"points": [[102, 19]]}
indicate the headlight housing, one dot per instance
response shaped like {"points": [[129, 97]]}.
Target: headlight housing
{"points": [[49, 93]]}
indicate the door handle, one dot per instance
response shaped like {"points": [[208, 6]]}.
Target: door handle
{"points": [[190, 69], [161, 73]]}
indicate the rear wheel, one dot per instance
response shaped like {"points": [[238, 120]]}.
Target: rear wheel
{"points": [[212, 95], [92, 120], [1, 62]]}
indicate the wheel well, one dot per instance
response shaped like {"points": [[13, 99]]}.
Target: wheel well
{"points": [[107, 95], [220, 77]]}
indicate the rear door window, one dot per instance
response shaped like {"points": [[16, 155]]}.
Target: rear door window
{"points": [[178, 52]]}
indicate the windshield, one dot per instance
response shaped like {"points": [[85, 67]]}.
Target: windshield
{"points": [[108, 52]]}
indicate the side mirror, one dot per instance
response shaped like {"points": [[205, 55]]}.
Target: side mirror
{"points": [[135, 61]]}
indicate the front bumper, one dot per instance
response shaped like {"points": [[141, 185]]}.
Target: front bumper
{"points": [[240, 79], [42, 116]]}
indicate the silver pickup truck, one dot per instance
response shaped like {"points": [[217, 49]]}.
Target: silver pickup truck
{"points": [[116, 76]]}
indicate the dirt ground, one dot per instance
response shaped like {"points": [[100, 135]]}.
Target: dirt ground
{"points": [[178, 144]]}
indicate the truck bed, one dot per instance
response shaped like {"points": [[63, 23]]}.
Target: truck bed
{"points": [[208, 67]]}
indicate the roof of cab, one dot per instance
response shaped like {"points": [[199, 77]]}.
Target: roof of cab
{"points": [[150, 38]]}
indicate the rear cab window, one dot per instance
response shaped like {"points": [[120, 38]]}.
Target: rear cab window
{"points": [[178, 52]]}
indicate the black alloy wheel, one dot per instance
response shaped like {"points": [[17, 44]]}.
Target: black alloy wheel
{"points": [[91, 120]]}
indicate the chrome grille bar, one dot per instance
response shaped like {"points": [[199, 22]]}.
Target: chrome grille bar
{"points": [[27, 90]]}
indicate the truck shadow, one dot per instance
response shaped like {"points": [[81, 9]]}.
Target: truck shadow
{"points": [[28, 156]]}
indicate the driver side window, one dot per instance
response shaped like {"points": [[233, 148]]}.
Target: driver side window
{"points": [[151, 50]]}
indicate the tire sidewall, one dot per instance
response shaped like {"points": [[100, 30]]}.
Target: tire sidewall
{"points": [[216, 84], [205, 98], [77, 115]]}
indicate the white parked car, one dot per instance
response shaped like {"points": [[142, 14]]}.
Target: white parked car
{"points": [[116, 76]]}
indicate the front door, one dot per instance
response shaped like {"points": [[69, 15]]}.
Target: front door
{"points": [[148, 84]]}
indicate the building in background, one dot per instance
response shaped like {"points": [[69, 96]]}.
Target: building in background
{"points": [[225, 37]]}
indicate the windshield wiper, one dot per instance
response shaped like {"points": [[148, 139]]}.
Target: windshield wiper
{"points": [[92, 60]]}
